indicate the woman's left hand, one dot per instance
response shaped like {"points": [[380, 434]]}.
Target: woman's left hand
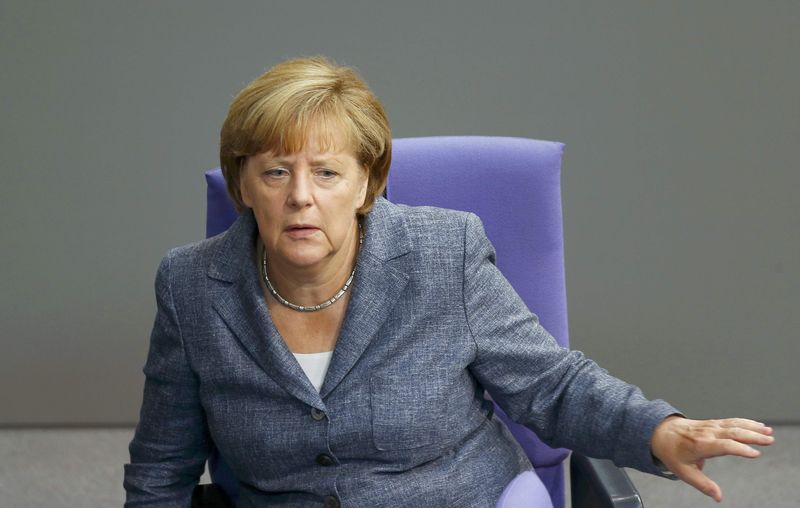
{"points": [[683, 445]]}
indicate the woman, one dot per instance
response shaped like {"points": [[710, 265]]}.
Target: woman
{"points": [[335, 347]]}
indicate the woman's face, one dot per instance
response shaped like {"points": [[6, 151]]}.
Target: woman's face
{"points": [[305, 203]]}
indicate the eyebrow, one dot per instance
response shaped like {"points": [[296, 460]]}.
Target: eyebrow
{"points": [[282, 160]]}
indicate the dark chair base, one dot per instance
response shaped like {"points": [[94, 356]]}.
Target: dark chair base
{"points": [[210, 495], [598, 483]]}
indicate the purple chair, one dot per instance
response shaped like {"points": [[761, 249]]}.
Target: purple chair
{"points": [[513, 185]]}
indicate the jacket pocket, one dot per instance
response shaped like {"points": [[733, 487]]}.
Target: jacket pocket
{"points": [[407, 415]]}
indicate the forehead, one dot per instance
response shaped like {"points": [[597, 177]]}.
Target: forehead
{"points": [[319, 143], [324, 133]]}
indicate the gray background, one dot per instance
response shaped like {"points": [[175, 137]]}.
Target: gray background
{"points": [[681, 121]]}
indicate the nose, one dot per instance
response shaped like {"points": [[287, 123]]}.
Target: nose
{"points": [[300, 192]]}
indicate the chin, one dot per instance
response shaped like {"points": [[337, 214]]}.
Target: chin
{"points": [[304, 262], [304, 259]]}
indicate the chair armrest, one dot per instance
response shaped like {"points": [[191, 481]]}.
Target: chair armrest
{"points": [[210, 495], [598, 483]]}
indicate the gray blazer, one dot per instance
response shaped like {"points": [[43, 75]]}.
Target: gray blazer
{"points": [[401, 418]]}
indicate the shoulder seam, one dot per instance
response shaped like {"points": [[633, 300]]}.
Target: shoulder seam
{"points": [[467, 216], [172, 304]]}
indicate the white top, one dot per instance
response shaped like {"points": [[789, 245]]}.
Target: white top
{"points": [[315, 365]]}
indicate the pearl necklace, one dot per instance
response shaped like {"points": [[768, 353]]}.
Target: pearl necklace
{"points": [[310, 308]]}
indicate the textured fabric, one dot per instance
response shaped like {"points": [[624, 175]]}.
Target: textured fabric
{"points": [[430, 324], [514, 186]]}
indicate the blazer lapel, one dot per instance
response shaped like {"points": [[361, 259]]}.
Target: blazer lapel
{"points": [[237, 296], [377, 287]]}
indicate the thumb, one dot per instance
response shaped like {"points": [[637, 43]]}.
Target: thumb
{"points": [[692, 475]]}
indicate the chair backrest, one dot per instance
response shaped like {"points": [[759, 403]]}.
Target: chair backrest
{"points": [[513, 185]]}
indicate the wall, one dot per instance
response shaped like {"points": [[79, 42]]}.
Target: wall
{"points": [[681, 121]]}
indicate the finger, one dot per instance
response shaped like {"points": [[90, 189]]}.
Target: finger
{"points": [[720, 447], [745, 436], [745, 424], [697, 479]]}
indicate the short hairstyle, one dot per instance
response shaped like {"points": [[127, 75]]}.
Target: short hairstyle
{"points": [[276, 111]]}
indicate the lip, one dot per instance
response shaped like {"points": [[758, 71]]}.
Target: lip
{"points": [[301, 230]]}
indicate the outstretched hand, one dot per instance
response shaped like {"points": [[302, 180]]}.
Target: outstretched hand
{"points": [[682, 445]]}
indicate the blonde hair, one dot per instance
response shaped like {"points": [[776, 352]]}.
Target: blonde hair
{"points": [[277, 110]]}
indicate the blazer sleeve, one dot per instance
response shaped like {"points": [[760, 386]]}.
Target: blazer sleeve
{"points": [[567, 399], [171, 443]]}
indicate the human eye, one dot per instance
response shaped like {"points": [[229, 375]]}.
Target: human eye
{"points": [[327, 174], [276, 172]]}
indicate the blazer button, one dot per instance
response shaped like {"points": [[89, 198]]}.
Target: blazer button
{"points": [[325, 460], [331, 502], [317, 414]]}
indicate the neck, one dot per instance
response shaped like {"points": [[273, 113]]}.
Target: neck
{"points": [[311, 285]]}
